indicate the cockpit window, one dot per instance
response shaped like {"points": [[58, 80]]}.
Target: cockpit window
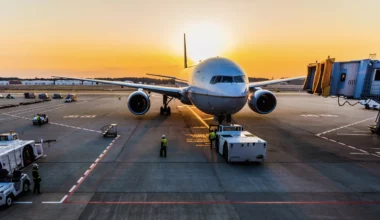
{"points": [[216, 79], [227, 79], [239, 79]]}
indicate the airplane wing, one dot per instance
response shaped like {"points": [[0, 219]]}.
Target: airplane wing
{"points": [[169, 91], [270, 82], [178, 82]]}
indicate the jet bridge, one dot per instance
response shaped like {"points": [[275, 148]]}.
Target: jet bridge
{"points": [[357, 80]]}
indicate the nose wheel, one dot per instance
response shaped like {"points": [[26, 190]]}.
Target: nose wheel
{"points": [[165, 109], [221, 118]]}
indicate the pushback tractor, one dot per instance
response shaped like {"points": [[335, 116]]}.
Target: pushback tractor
{"points": [[237, 145]]}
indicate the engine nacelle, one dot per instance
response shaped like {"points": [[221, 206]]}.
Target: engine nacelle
{"points": [[262, 101], [138, 103]]}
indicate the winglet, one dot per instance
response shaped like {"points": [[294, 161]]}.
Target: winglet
{"points": [[184, 50]]}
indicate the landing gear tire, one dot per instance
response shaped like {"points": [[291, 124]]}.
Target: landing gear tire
{"points": [[228, 119], [165, 109]]}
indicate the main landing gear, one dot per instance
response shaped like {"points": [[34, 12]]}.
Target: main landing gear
{"points": [[165, 109], [221, 118]]}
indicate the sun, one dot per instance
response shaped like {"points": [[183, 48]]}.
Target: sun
{"points": [[205, 39]]}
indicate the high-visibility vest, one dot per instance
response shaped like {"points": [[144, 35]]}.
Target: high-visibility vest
{"points": [[212, 135], [36, 174], [164, 142]]}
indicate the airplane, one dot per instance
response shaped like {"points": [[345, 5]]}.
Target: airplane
{"points": [[216, 86]]}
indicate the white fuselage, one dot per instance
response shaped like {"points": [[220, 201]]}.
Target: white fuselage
{"points": [[217, 86]]}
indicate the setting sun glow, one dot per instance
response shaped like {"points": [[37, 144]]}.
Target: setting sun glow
{"points": [[267, 38], [206, 39]]}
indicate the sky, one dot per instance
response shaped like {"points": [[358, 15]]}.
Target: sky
{"points": [[124, 38]]}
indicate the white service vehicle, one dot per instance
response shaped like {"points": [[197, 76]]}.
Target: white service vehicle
{"points": [[16, 154], [237, 145], [12, 186], [44, 119]]}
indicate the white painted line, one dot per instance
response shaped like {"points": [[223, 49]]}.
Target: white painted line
{"points": [[63, 199], [354, 134], [351, 147], [72, 188], [347, 125], [105, 151], [375, 155], [359, 153], [92, 166], [23, 202], [97, 159], [363, 151], [80, 179], [51, 202], [87, 171], [101, 155], [375, 148]]}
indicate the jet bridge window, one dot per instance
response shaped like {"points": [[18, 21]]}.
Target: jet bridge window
{"points": [[377, 75], [343, 77]]}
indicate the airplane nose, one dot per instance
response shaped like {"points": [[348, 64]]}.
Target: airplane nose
{"points": [[234, 90]]}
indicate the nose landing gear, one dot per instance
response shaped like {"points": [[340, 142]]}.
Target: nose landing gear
{"points": [[221, 118], [165, 109]]}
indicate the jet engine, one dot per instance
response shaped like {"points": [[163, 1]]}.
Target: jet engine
{"points": [[138, 103], [262, 101]]}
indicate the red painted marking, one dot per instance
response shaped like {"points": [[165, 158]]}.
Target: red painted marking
{"points": [[234, 202], [89, 171]]}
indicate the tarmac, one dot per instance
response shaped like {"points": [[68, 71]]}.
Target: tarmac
{"points": [[322, 162]]}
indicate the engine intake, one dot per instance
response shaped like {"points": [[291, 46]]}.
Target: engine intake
{"points": [[138, 103], [262, 101]]}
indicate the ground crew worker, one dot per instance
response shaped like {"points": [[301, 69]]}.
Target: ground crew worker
{"points": [[39, 120], [212, 137], [164, 144], [36, 179]]}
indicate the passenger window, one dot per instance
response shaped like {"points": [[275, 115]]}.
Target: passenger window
{"points": [[227, 79], [377, 75], [343, 77]]}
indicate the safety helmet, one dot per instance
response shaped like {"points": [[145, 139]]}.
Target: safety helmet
{"points": [[35, 165], [163, 136]]}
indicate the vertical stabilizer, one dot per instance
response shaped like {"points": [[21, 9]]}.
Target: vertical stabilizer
{"points": [[184, 50]]}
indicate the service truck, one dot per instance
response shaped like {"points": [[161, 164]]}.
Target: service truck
{"points": [[237, 145], [71, 98], [16, 154]]}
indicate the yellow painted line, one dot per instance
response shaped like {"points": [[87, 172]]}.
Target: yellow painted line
{"points": [[196, 115], [208, 119]]}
